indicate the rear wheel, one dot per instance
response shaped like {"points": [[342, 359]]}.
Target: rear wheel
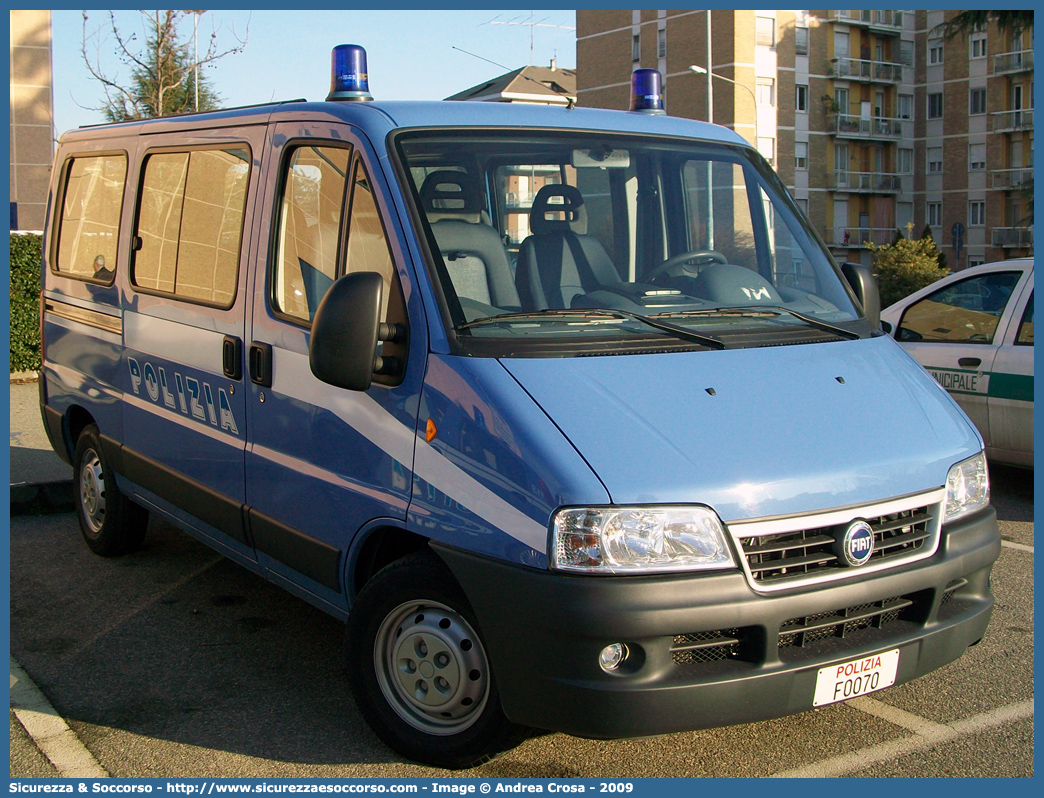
{"points": [[419, 670], [111, 524]]}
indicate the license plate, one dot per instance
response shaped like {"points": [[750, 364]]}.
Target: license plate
{"points": [[858, 677]]}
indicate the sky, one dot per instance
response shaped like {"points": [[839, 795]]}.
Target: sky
{"points": [[410, 54]]}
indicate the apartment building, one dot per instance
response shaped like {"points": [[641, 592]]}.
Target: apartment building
{"points": [[32, 117], [876, 123]]}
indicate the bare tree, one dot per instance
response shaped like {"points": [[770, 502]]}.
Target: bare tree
{"points": [[164, 74]]}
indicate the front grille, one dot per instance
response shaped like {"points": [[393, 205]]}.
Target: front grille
{"points": [[699, 647], [799, 553], [803, 632]]}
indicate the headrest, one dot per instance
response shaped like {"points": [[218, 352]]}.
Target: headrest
{"points": [[450, 192], [558, 199], [729, 284]]}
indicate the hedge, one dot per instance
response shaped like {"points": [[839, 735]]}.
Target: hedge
{"points": [[25, 301]]}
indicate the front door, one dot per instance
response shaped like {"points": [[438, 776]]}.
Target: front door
{"points": [[953, 332], [323, 462], [1011, 387]]}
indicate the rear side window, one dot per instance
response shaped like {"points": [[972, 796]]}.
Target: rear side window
{"points": [[190, 224], [310, 228], [89, 227]]}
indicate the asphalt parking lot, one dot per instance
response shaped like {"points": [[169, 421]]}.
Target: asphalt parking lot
{"points": [[174, 662]]}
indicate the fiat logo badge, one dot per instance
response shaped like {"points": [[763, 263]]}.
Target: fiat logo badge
{"points": [[858, 543]]}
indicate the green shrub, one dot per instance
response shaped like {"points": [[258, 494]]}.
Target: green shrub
{"points": [[25, 301], [906, 266]]}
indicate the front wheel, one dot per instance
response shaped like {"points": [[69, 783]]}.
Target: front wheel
{"points": [[419, 670]]}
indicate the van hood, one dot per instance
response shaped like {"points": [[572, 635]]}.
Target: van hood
{"points": [[755, 432]]}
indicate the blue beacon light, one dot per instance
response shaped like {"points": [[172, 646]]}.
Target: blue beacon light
{"points": [[348, 79], [646, 95]]}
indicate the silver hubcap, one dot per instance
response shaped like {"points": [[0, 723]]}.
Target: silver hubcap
{"points": [[431, 667], [92, 491]]}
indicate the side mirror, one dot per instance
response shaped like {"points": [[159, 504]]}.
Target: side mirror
{"points": [[865, 287], [886, 327], [343, 347]]}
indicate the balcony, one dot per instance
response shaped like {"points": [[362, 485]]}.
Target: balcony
{"points": [[865, 182], [1008, 179], [1013, 237], [857, 237], [868, 71], [876, 20], [849, 126], [1012, 121], [1009, 63]]}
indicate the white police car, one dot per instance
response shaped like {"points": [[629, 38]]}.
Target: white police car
{"points": [[973, 332]]}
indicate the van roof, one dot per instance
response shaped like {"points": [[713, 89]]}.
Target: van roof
{"points": [[378, 118]]}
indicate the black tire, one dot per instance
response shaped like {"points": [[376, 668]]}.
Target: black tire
{"points": [[412, 614], [110, 522]]}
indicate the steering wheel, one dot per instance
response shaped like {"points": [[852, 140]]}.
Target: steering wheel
{"points": [[704, 256]]}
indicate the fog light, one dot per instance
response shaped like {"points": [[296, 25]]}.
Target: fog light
{"points": [[611, 657]]}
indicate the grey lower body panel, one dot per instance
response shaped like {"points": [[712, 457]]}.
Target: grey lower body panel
{"points": [[544, 632]]}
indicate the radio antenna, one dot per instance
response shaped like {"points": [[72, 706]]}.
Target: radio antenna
{"points": [[520, 22]]}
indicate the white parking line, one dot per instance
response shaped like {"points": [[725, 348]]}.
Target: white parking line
{"points": [[1020, 546], [49, 731], [926, 734]]}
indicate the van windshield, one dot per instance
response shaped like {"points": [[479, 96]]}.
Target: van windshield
{"points": [[574, 242]]}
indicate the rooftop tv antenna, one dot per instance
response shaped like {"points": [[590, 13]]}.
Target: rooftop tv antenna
{"points": [[522, 22]]}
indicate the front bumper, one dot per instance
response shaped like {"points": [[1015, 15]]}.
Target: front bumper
{"points": [[544, 631]]}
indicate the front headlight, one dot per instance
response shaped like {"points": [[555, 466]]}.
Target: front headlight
{"points": [[967, 487], [610, 540]]}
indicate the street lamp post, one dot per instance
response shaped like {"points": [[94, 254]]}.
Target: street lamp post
{"points": [[702, 71]]}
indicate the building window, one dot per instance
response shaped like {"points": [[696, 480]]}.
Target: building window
{"points": [[766, 31], [766, 91], [935, 105], [977, 213], [801, 155], [906, 106], [661, 43], [976, 157], [802, 206], [934, 214], [978, 45], [935, 52], [801, 41], [906, 52], [767, 147], [636, 48], [977, 101], [975, 262], [801, 98], [935, 160], [905, 161]]}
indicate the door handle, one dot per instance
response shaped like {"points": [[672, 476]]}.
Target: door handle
{"points": [[969, 362], [261, 364], [232, 357]]}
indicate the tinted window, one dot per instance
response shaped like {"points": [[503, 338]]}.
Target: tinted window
{"points": [[1025, 336], [190, 224], [367, 245], [89, 227], [309, 228], [963, 312]]}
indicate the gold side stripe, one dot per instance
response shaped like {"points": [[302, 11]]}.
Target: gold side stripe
{"points": [[103, 321]]}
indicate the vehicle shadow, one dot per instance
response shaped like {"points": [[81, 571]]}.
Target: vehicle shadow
{"points": [[1011, 492]]}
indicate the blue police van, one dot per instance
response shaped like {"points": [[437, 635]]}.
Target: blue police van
{"points": [[567, 413]]}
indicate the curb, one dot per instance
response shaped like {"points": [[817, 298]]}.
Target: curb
{"points": [[46, 498]]}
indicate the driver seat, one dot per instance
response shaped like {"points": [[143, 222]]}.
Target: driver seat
{"points": [[559, 260]]}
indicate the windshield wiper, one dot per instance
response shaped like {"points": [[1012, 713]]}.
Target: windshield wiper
{"points": [[765, 310], [599, 313]]}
